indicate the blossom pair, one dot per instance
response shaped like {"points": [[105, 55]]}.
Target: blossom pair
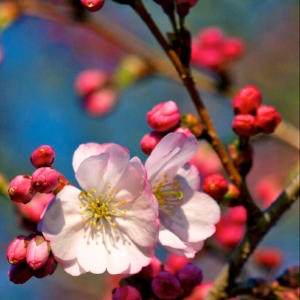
{"points": [[125, 207]]}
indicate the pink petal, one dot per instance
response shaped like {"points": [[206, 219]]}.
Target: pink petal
{"points": [[91, 171], [86, 150], [139, 220], [172, 152], [62, 224]]}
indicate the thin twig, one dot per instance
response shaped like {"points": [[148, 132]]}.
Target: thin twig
{"points": [[254, 234]]}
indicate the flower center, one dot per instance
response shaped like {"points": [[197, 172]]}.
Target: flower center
{"points": [[96, 208], [168, 194]]}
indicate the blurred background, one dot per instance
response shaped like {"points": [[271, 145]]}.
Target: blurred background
{"points": [[41, 57]]}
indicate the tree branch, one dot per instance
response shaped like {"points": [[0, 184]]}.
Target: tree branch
{"points": [[254, 234]]}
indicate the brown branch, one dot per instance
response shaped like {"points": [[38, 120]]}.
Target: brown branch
{"points": [[254, 234]]}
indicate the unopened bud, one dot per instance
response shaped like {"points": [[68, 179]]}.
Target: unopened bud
{"points": [[216, 186], [232, 194], [47, 269], [267, 119], [229, 234], [16, 251], [166, 285], [151, 270], [268, 257], [126, 292], [247, 100], [183, 6], [20, 190], [93, 5], [174, 263], [19, 273], [193, 123], [37, 252], [233, 47], [45, 180], [62, 182], [90, 80], [42, 156], [149, 141], [184, 130], [244, 125], [210, 37], [164, 116], [190, 276]]}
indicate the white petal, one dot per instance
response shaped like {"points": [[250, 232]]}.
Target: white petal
{"points": [[191, 176], [72, 267], [194, 220], [189, 251], [169, 239], [171, 153], [91, 171], [62, 224], [131, 183], [91, 252], [139, 220], [86, 150]]}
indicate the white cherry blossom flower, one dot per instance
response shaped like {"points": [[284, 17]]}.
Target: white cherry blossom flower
{"points": [[187, 216], [111, 223]]}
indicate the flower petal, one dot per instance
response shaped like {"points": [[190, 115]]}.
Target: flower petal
{"points": [[139, 220], [91, 171], [72, 267], [191, 175], [171, 153], [62, 225], [86, 150], [194, 220]]}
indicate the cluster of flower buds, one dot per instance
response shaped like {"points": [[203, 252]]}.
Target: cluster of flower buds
{"points": [[155, 282], [44, 179], [93, 5], [212, 50], [95, 89], [250, 116], [165, 118], [29, 256], [230, 230]]}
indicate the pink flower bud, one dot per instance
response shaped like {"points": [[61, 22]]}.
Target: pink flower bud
{"points": [[233, 47], [16, 251], [166, 286], [183, 6], [42, 156], [100, 102], [268, 257], [216, 186], [93, 5], [20, 190], [47, 269], [184, 130], [247, 100], [210, 58], [88, 81], [164, 116], [244, 125], [149, 141], [37, 252], [20, 273], [45, 180], [211, 37], [152, 269], [126, 292], [267, 119], [237, 214], [174, 263], [190, 276]]}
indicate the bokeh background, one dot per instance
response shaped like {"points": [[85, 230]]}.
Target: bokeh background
{"points": [[38, 105]]}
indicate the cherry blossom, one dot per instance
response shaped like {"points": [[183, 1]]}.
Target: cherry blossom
{"points": [[187, 216], [111, 223]]}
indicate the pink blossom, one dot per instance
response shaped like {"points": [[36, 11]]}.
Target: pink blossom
{"points": [[244, 125], [47, 269], [187, 216], [20, 190], [45, 180], [163, 116], [42, 156], [108, 224], [216, 186]]}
